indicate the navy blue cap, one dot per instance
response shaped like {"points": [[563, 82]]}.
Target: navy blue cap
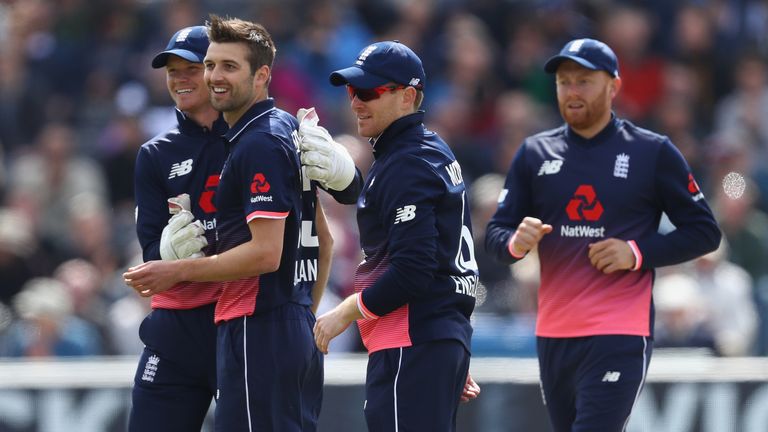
{"points": [[189, 43], [380, 63], [590, 53]]}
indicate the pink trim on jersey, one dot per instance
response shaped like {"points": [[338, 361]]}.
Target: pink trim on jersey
{"points": [[512, 249], [638, 255], [238, 299], [388, 331], [187, 295], [364, 310], [266, 215], [575, 299]]}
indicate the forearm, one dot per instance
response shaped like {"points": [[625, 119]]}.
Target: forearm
{"points": [[683, 244], [348, 310], [496, 242], [324, 258], [246, 260]]}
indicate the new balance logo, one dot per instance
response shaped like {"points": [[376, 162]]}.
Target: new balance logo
{"points": [[550, 167], [150, 368], [180, 169], [621, 167], [405, 213], [611, 376]]}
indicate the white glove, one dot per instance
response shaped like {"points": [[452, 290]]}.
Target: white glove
{"points": [[326, 161], [182, 237]]}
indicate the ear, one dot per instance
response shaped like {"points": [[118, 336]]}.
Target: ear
{"points": [[261, 77], [409, 97], [615, 87]]}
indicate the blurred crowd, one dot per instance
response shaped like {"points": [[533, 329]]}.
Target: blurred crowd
{"points": [[78, 98]]}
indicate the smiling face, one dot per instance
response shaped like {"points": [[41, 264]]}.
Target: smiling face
{"points": [[186, 84], [585, 97], [233, 87], [374, 116]]}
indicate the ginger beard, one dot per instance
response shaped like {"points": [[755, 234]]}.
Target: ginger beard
{"points": [[582, 114]]}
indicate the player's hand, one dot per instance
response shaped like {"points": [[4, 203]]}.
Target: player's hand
{"points": [[471, 390], [328, 326], [183, 237], [152, 277], [326, 161], [528, 234], [611, 255]]}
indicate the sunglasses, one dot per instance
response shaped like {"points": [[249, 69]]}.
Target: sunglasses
{"points": [[366, 95]]}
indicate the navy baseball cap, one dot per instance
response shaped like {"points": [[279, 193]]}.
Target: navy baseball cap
{"points": [[380, 63], [590, 53], [190, 43]]}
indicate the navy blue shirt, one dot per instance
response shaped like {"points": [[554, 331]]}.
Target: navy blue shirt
{"points": [[262, 178], [185, 159], [419, 276], [616, 184]]}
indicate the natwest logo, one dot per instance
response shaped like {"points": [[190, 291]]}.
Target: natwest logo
{"points": [[206, 197], [259, 184], [584, 205]]}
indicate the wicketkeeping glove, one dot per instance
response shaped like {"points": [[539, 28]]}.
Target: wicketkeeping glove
{"points": [[183, 237], [326, 161]]}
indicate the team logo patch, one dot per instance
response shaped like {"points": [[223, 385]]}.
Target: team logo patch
{"points": [[364, 55], [150, 368], [259, 184], [621, 167], [584, 205]]}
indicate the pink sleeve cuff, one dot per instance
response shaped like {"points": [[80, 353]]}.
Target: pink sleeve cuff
{"points": [[364, 310], [511, 249], [637, 253]]}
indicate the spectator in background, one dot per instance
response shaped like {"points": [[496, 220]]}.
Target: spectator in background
{"points": [[17, 252], [727, 293], [43, 184], [745, 108], [500, 287], [85, 285], [681, 314], [47, 326], [628, 30]]}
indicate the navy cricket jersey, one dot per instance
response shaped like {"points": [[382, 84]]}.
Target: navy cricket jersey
{"points": [[419, 275], [262, 178], [616, 184], [185, 159]]}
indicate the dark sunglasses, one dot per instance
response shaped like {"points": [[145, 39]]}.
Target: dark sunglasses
{"points": [[366, 95]]}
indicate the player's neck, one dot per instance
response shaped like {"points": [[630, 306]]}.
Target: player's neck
{"points": [[204, 117]]}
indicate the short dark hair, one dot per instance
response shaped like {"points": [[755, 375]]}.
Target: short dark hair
{"points": [[255, 36]]}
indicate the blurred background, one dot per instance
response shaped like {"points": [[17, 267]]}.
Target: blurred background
{"points": [[78, 98]]}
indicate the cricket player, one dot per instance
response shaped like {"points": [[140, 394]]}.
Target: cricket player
{"points": [[417, 283], [590, 195]]}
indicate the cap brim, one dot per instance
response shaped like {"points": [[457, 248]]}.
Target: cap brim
{"points": [[161, 59], [357, 77], [551, 65]]}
